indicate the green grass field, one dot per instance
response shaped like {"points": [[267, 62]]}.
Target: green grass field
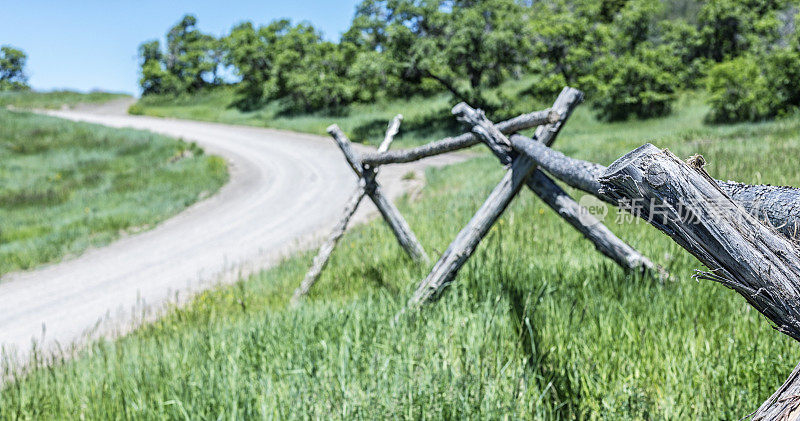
{"points": [[538, 324], [54, 99], [67, 186]]}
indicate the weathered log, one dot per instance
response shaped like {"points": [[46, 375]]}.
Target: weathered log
{"points": [[784, 404], [685, 203], [777, 204], [324, 253], [450, 144], [577, 173], [457, 253], [445, 270], [391, 132], [605, 241], [390, 214], [780, 206], [557, 199], [742, 253]]}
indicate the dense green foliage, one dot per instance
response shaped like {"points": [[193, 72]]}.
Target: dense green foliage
{"points": [[756, 86], [189, 63], [537, 326], [12, 69], [739, 91], [630, 56], [66, 186]]}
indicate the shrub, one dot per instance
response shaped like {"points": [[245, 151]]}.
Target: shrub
{"points": [[738, 91], [782, 68], [640, 84]]}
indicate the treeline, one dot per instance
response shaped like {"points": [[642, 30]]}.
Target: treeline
{"points": [[12, 69], [631, 56]]}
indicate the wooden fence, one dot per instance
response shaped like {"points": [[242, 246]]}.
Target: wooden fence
{"points": [[746, 235]]}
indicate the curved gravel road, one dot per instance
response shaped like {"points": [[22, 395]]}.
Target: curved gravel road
{"points": [[285, 191]]}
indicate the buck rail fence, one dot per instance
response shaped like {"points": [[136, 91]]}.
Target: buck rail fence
{"points": [[747, 236]]}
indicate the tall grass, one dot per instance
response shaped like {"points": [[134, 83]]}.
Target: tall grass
{"points": [[66, 186], [538, 325]]}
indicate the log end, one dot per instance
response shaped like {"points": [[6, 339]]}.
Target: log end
{"points": [[635, 155], [332, 129], [553, 116], [568, 99], [464, 112]]}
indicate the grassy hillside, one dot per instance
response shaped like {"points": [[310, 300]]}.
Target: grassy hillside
{"points": [[66, 186], [54, 99], [363, 122], [538, 324]]}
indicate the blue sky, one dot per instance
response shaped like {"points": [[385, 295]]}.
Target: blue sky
{"points": [[91, 44]]}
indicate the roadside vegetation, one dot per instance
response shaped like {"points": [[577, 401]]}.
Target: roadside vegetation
{"points": [[633, 58], [538, 325], [67, 186], [27, 99], [422, 116]]}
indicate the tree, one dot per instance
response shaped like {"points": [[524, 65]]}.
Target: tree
{"points": [[608, 48], [251, 52], [189, 54], [12, 69], [738, 91], [154, 78], [309, 73], [756, 85], [189, 63], [730, 28], [563, 39], [641, 83], [684, 42], [465, 46]]}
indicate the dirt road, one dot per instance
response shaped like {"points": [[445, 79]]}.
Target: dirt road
{"points": [[285, 191]]}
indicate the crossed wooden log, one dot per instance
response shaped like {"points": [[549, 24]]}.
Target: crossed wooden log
{"points": [[367, 171], [367, 185], [746, 235]]}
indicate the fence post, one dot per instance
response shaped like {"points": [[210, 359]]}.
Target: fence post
{"points": [[325, 251]]}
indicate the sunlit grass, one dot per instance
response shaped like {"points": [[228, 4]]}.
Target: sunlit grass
{"points": [[67, 186]]}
